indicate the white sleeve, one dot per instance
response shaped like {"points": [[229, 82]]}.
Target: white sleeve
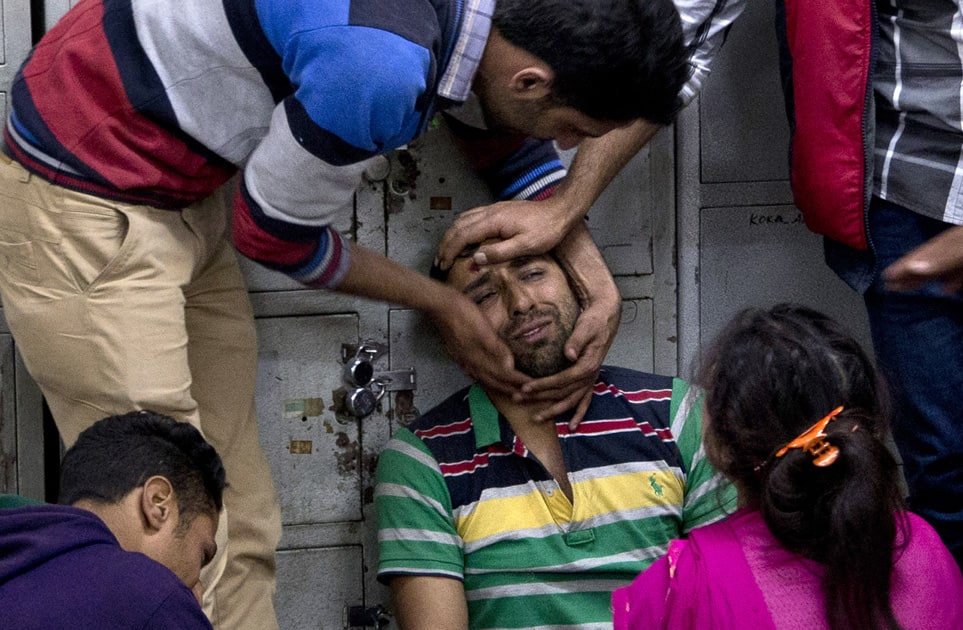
{"points": [[290, 184], [704, 25]]}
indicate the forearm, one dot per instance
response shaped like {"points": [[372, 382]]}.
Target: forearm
{"points": [[585, 266], [374, 276], [597, 162], [429, 603]]}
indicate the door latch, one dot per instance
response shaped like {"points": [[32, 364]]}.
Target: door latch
{"points": [[361, 617]]}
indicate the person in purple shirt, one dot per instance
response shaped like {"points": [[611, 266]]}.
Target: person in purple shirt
{"points": [[139, 505]]}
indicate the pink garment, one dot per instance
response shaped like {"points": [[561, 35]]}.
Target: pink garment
{"points": [[734, 575]]}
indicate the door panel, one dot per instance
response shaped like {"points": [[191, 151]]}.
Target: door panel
{"points": [[312, 449], [320, 583]]}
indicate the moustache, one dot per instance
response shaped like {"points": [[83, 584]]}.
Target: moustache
{"points": [[519, 323]]}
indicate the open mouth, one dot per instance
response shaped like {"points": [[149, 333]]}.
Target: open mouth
{"points": [[533, 331]]}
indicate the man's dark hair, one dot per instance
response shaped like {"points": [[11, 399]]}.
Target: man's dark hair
{"points": [[119, 453], [614, 60]]}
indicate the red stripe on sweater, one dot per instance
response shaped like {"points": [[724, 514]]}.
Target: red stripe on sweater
{"points": [[78, 92], [262, 246]]}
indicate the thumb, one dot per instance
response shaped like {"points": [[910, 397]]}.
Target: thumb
{"points": [[578, 340], [499, 252]]}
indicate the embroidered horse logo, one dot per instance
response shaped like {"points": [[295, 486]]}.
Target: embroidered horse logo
{"points": [[655, 485]]}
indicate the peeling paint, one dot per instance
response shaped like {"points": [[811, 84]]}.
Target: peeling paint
{"points": [[301, 447], [338, 408], [347, 457], [303, 408], [369, 463], [439, 203], [403, 183], [404, 410]]}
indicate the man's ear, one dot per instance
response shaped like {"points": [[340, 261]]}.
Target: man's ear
{"points": [[157, 501], [532, 82]]}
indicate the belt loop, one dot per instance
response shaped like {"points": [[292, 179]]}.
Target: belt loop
{"points": [[24, 176]]}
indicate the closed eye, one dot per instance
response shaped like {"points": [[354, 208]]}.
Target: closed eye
{"points": [[209, 553], [482, 296]]}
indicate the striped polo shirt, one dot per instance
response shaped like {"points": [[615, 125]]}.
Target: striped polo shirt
{"points": [[460, 496]]}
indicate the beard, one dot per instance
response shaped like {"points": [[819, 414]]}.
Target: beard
{"points": [[507, 114], [546, 356]]}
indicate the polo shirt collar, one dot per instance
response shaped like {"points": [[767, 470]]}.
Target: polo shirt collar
{"points": [[473, 32], [485, 419]]}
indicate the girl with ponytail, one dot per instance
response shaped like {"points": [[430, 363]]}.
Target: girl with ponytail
{"points": [[796, 418]]}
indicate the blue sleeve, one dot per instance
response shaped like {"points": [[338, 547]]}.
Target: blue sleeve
{"points": [[362, 85]]}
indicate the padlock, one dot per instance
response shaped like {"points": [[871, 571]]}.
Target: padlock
{"points": [[359, 371], [360, 402]]}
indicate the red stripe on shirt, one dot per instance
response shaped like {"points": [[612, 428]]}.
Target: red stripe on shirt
{"points": [[128, 150], [461, 426], [262, 246]]}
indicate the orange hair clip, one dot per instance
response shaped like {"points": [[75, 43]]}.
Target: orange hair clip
{"points": [[813, 441]]}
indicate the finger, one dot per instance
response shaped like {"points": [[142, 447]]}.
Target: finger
{"points": [[576, 376], [580, 412], [550, 395], [902, 283], [940, 258], [506, 380], [908, 273], [497, 384], [909, 266], [473, 226], [560, 407], [503, 251], [578, 342]]}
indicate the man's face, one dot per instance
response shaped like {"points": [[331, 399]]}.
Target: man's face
{"points": [[539, 119], [529, 304], [514, 90], [185, 550]]}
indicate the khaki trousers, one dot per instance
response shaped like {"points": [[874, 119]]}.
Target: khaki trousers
{"points": [[116, 307]]}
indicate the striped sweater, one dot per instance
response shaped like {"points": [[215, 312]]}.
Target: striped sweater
{"points": [[159, 102], [458, 495]]}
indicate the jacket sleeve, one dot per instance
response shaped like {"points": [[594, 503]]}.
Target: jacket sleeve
{"points": [[299, 182], [704, 27]]}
